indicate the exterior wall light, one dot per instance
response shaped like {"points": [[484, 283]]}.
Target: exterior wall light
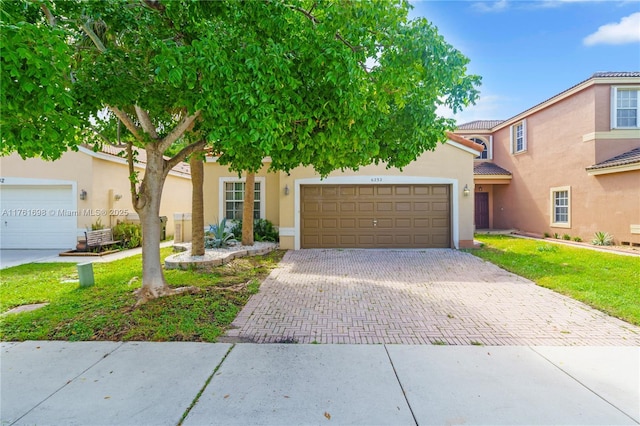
{"points": [[117, 197], [466, 191], [286, 190], [83, 194]]}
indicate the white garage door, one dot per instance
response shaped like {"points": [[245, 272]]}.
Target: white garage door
{"points": [[38, 217]]}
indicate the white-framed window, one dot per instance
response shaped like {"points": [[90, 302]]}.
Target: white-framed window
{"points": [[231, 199], [561, 207], [625, 109], [486, 154], [518, 137]]}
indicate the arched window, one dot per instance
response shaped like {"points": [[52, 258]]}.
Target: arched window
{"points": [[484, 155]]}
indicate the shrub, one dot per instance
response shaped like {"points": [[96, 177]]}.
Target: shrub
{"points": [[577, 239], [602, 239], [566, 237], [556, 236], [547, 235], [263, 230], [129, 233], [97, 225], [217, 236]]}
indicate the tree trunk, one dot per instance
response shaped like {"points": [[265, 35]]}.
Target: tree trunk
{"points": [[197, 203], [148, 208], [247, 210]]}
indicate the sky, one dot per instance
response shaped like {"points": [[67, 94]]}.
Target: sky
{"points": [[529, 51]]}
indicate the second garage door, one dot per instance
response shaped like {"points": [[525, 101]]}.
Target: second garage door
{"points": [[375, 216]]}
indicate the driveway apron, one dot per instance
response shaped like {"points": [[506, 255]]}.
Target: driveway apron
{"points": [[434, 296]]}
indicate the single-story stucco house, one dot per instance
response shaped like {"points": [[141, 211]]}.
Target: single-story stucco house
{"points": [[429, 204]]}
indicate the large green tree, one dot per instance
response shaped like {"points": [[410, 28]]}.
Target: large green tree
{"points": [[330, 84]]}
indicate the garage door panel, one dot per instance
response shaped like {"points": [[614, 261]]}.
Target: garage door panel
{"points": [[38, 217], [369, 216]]}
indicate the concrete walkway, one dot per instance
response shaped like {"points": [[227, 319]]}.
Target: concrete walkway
{"points": [[10, 257], [115, 383], [416, 297]]}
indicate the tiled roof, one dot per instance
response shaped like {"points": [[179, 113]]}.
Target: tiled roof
{"points": [[629, 157], [485, 168], [479, 125], [616, 74], [141, 158]]}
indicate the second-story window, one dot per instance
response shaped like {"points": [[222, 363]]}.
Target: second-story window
{"points": [[484, 155], [518, 137], [624, 111]]}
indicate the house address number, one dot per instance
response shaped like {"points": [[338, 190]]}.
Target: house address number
{"points": [[376, 179]]}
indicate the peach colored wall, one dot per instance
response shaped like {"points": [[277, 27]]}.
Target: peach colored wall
{"points": [[101, 179], [556, 157]]}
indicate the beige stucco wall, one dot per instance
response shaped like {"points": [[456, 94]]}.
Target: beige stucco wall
{"points": [[447, 164], [562, 140], [102, 179]]}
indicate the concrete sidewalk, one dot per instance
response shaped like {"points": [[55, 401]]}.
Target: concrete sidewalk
{"points": [[135, 383], [10, 258]]}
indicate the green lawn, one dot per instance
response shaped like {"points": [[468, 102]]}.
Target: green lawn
{"points": [[105, 311], [608, 282]]}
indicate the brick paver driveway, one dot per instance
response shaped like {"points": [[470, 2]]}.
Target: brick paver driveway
{"points": [[416, 297]]}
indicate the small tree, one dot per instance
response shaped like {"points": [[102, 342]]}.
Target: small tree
{"points": [[311, 83]]}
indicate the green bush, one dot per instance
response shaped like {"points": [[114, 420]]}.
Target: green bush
{"points": [[566, 237], [263, 230], [129, 233], [547, 235], [577, 239]]}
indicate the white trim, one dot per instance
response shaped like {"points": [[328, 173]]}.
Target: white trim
{"points": [[224, 179], [552, 192], [462, 147], [634, 229], [382, 180], [614, 106]]}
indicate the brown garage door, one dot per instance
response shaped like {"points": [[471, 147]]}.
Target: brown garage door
{"points": [[375, 216]]}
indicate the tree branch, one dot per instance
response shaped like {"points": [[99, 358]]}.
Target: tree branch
{"points": [[146, 123], [135, 130], [184, 153], [179, 130], [93, 36], [50, 18], [132, 176]]}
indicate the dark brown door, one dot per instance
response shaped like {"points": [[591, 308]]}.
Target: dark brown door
{"points": [[375, 216], [482, 210]]}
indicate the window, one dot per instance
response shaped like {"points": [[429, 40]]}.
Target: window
{"points": [[232, 198], [484, 155], [561, 207], [519, 137], [624, 108]]}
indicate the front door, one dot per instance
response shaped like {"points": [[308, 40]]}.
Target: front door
{"points": [[482, 210]]}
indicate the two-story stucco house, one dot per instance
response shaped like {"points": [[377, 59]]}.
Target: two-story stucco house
{"points": [[569, 165]]}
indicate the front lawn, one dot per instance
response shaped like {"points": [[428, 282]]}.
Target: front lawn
{"points": [[608, 282], [105, 311]]}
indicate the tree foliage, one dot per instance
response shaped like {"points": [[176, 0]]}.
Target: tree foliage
{"points": [[328, 84]]}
